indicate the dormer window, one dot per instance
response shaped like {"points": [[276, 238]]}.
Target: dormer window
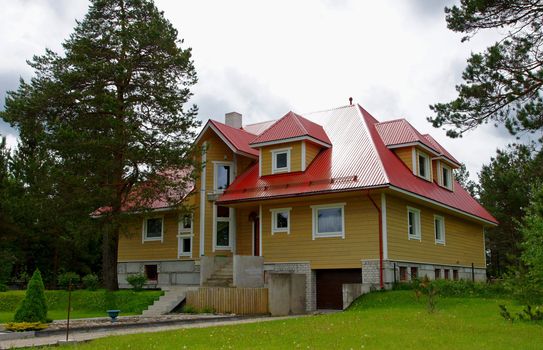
{"points": [[423, 165], [223, 175], [446, 177], [280, 160]]}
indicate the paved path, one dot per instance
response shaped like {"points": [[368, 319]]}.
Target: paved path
{"points": [[89, 335]]}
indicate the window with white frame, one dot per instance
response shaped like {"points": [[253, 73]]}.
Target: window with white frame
{"points": [[280, 160], [223, 228], [413, 223], [439, 229], [446, 176], [185, 235], [280, 220], [222, 175], [153, 229], [329, 220], [424, 168]]}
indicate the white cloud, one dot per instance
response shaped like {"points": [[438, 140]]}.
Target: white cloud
{"points": [[265, 58]]}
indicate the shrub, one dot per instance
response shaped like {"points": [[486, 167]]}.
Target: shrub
{"points": [[137, 281], [91, 282], [25, 326], [33, 308], [187, 309], [68, 278], [208, 310], [3, 287], [429, 289]]}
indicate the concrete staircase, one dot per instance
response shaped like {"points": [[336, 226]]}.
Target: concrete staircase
{"points": [[172, 297], [223, 277]]}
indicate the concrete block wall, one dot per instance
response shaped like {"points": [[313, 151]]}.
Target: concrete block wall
{"points": [[310, 279], [181, 272], [370, 271]]}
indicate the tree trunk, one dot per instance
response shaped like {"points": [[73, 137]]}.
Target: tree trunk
{"points": [[110, 244]]}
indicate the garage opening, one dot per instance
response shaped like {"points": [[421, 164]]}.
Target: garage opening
{"points": [[329, 286]]}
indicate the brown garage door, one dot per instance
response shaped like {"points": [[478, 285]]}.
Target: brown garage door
{"points": [[329, 286]]}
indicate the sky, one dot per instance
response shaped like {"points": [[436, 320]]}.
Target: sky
{"points": [[263, 59]]}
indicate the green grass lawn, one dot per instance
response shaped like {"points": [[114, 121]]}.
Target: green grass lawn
{"points": [[388, 320], [84, 303]]}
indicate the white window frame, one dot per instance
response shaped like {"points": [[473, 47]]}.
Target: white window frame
{"points": [[230, 220], [441, 221], [274, 153], [441, 177], [274, 228], [428, 164], [316, 208], [216, 166], [144, 237], [184, 233], [417, 236]]}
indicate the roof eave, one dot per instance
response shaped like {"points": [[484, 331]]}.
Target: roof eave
{"points": [[290, 139], [209, 125]]}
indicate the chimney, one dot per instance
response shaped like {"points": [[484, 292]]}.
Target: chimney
{"points": [[233, 119]]}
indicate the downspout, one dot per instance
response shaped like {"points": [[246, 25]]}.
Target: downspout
{"points": [[381, 283]]}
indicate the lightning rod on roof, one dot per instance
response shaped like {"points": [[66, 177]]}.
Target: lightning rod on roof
{"points": [[350, 101]]}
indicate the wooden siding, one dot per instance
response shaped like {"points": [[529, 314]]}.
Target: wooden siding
{"points": [[361, 234], [311, 151], [295, 156], [464, 242], [406, 156], [244, 238], [240, 301], [131, 244]]}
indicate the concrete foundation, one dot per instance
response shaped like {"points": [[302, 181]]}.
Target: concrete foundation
{"points": [[209, 265], [351, 291], [297, 268], [391, 272], [248, 271], [181, 272], [286, 294]]}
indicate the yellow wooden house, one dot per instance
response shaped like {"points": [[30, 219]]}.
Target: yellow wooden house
{"points": [[335, 195]]}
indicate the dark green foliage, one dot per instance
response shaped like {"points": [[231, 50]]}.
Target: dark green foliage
{"points": [[462, 176], [137, 281], [33, 307], [97, 124], [91, 282], [505, 188], [461, 288], [527, 314], [504, 83], [69, 280]]}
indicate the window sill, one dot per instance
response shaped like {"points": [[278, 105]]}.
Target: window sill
{"points": [[153, 239], [330, 235], [280, 171], [223, 248], [440, 242], [280, 231], [415, 238]]}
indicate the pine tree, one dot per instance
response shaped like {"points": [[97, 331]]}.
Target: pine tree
{"points": [[33, 307], [109, 113], [504, 84]]}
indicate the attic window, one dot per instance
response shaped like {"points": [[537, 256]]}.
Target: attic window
{"points": [[280, 160], [446, 180], [424, 165]]}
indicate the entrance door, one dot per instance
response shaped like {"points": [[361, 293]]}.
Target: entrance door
{"points": [[256, 236], [330, 285]]}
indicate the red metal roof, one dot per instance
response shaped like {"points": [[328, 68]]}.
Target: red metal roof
{"points": [[239, 138], [290, 126], [400, 131], [358, 159]]}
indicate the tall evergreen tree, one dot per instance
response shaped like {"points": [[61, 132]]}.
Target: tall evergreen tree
{"points": [[504, 84], [505, 190], [109, 114]]}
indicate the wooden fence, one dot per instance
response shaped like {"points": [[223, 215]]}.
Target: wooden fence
{"points": [[240, 301]]}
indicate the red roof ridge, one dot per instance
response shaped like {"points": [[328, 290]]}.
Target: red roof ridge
{"points": [[363, 114], [393, 121], [228, 126]]}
